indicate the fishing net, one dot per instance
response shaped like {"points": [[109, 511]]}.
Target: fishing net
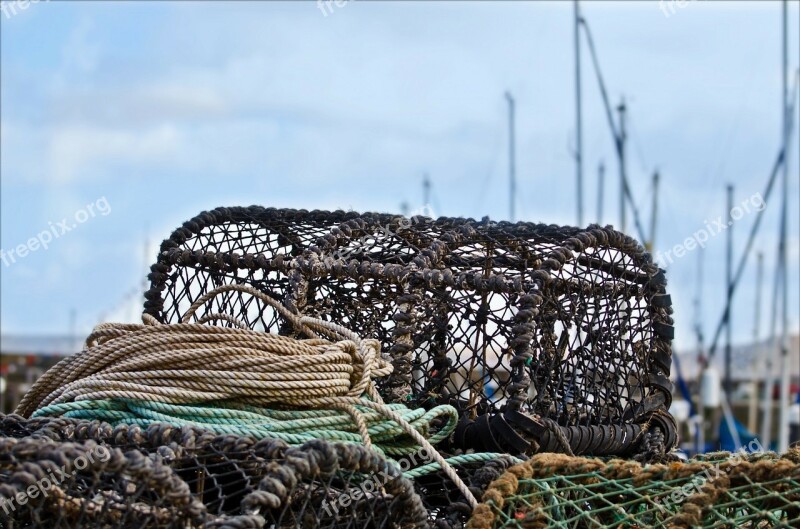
{"points": [[544, 338], [759, 490], [163, 476], [89, 474]]}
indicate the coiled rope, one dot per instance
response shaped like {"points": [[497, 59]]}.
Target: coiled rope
{"points": [[154, 369]]}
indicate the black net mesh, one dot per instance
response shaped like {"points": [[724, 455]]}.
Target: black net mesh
{"points": [[75, 473], [591, 351], [238, 245]]}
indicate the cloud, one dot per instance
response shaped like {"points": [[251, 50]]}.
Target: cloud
{"points": [[78, 152]]}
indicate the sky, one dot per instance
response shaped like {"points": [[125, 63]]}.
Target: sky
{"points": [[126, 119]]}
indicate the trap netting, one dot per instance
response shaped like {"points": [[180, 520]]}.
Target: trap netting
{"points": [[504, 321], [721, 490], [239, 245], [186, 477], [90, 474]]}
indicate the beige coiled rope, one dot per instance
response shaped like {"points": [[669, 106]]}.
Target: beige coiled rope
{"points": [[189, 363]]}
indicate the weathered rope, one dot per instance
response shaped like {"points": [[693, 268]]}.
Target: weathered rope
{"points": [[157, 363]]}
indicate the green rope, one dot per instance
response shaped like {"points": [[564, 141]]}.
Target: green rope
{"points": [[295, 427], [463, 459]]}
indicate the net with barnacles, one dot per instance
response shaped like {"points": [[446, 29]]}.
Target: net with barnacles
{"points": [[544, 338], [758, 491], [73, 473]]}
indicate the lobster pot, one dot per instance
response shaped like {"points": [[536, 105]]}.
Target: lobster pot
{"points": [[508, 322], [252, 246], [186, 477]]}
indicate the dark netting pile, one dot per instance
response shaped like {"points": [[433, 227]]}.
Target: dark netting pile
{"points": [[545, 338], [89, 474]]}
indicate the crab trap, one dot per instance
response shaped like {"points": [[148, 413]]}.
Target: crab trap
{"points": [[544, 338]]}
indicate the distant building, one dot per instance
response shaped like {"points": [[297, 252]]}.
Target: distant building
{"points": [[23, 359], [747, 361]]}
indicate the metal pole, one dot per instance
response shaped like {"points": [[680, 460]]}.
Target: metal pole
{"points": [[769, 379], [752, 416], [698, 303], [654, 215], [783, 430], [698, 329], [578, 114], [511, 161], [626, 194], [622, 171], [728, 293], [601, 173]]}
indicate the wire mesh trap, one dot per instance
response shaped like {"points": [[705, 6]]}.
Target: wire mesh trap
{"points": [[187, 477], [545, 338], [720, 490]]}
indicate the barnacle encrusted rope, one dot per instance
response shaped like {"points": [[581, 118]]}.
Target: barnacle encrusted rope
{"points": [[194, 363]]}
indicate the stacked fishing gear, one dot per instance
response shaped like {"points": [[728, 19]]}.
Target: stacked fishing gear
{"points": [[287, 358]]}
